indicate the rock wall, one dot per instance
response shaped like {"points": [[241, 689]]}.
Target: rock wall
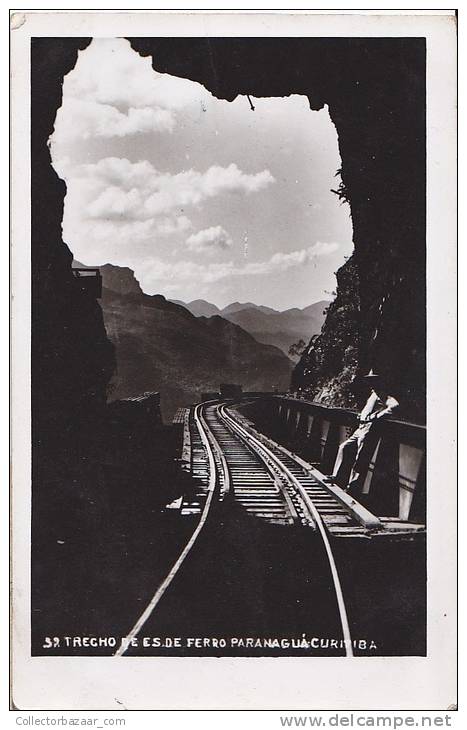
{"points": [[329, 364], [72, 359]]}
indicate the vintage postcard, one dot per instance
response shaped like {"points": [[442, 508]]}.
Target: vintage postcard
{"points": [[233, 276]]}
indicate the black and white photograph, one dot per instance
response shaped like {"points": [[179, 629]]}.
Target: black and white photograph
{"points": [[227, 264]]}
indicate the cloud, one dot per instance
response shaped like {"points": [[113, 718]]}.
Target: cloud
{"points": [[190, 188], [109, 71], [116, 203], [172, 275], [217, 179], [185, 271], [285, 261], [136, 190], [122, 203], [118, 172], [110, 233], [321, 248], [166, 226], [85, 119], [209, 239], [114, 92]]}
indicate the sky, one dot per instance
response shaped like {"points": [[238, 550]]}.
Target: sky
{"points": [[201, 197]]}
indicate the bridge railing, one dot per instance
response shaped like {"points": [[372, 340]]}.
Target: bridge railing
{"points": [[393, 459]]}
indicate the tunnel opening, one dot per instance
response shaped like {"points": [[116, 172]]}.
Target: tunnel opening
{"points": [[380, 121], [202, 199]]}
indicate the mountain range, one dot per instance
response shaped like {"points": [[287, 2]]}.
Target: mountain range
{"points": [[160, 345], [267, 325]]}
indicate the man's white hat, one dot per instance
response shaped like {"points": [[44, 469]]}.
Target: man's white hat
{"points": [[371, 374]]}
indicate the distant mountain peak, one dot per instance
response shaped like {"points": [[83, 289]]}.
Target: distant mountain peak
{"points": [[203, 303], [240, 306], [282, 329], [202, 308], [199, 307], [161, 346]]}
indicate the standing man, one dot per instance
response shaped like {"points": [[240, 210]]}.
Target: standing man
{"points": [[379, 405]]}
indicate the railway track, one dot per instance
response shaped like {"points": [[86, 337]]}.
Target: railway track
{"points": [[231, 461]]}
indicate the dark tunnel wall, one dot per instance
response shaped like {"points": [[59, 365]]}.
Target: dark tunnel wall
{"points": [[375, 89], [72, 359]]}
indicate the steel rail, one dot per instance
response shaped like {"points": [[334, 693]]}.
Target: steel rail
{"points": [[249, 437], [213, 482], [274, 472], [210, 443], [226, 492]]}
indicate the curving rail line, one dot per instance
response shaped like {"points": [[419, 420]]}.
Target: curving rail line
{"points": [[268, 483], [315, 515], [212, 488]]}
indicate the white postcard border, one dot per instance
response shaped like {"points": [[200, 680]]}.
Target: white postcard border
{"points": [[246, 683]]}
